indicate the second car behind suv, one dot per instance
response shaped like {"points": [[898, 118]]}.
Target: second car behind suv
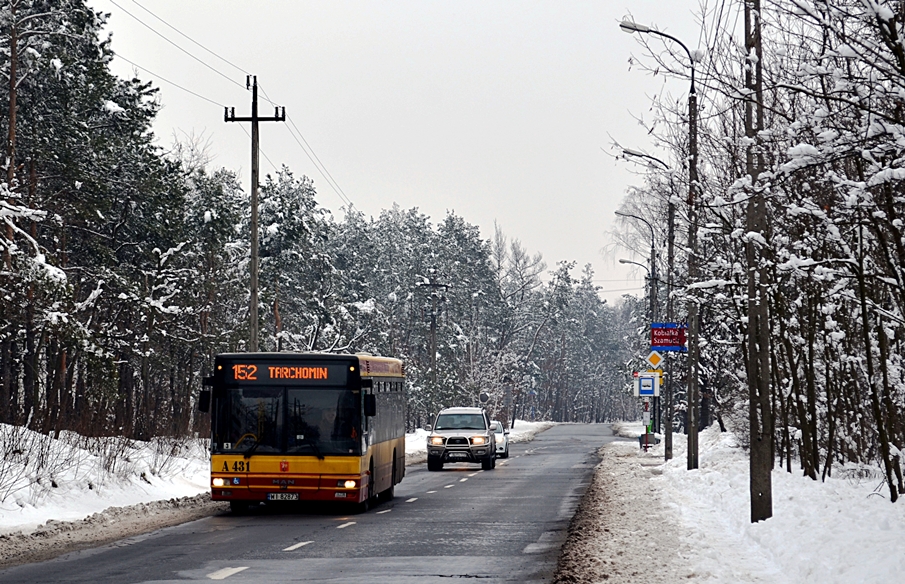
{"points": [[461, 435]]}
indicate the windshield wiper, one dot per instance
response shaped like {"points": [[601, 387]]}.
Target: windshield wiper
{"points": [[313, 445], [252, 448]]}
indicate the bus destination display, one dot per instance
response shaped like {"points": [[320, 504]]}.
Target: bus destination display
{"points": [[285, 374]]}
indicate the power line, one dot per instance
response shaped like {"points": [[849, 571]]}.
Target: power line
{"points": [[149, 27], [261, 150], [292, 123], [275, 168], [227, 61], [312, 155], [174, 84], [328, 178]]}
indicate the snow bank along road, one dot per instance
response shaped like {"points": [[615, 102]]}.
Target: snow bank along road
{"points": [[504, 525]]}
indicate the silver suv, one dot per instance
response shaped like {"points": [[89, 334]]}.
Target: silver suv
{"points": [[461, 435]]}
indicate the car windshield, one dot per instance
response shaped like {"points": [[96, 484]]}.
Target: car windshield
{"points": [[460, 422], [314, 422], [498, 427]]}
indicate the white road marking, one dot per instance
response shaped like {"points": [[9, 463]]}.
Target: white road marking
{"points": [[412, 500], [297, 546], [384, 511], [431, 492], [449, 486], [225, 573], [536, 548], [473, 474], [345, 525], [462, 480]]}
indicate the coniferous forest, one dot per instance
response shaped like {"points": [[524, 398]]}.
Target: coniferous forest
{"points": [[125, 266], [125, 269]]}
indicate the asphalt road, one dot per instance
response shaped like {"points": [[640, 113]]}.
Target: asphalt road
{"points": [[504, 525]]}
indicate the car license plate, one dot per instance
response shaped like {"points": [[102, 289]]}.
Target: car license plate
{"points": [[282, 496], [458, 455]]}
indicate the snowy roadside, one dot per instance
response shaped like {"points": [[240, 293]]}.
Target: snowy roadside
{"points": [[55, 538], [59, 495], [88, 506], [642, 517], [621, 527]]}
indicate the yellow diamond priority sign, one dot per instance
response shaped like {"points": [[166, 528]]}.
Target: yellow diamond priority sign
{"points": [[654, 359]]}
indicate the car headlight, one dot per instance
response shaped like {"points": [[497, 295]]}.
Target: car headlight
{"points": [[436, 440], [478, 440]]}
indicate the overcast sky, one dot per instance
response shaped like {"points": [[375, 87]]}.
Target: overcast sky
{"points": [[494, 110]]}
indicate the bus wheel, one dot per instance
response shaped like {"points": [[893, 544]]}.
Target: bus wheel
{"points": [[238, 507], [391, 492], [370, 500]]}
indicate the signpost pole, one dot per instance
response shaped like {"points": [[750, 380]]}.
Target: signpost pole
{"points": [[646, 421]]}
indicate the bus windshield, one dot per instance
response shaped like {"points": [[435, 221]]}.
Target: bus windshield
{"points": [[316, 422]]}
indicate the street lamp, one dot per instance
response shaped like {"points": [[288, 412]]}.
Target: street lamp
{"points": [[693, 345], [654, 304], [652, 286], [633, 27], [636, 154], [646, 269], [670, 257], [653, 264]]}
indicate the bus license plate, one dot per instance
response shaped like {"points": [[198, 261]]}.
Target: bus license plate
{"points": [[282, 496], [458, 455]]}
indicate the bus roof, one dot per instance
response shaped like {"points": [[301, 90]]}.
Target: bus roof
{"points": [[369, 365]]}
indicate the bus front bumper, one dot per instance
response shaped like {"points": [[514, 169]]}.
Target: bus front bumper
{"points": [[289, 488]]}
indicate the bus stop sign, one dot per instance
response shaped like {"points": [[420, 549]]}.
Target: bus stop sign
{"points": [[647, 384]]}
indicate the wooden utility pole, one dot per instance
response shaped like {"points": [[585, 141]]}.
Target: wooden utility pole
{"points": [[279, 115], [433, 286], [760, 416]]}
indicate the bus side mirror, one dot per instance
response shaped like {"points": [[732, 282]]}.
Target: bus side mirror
{"points": [[204, 400], [370, 404]]}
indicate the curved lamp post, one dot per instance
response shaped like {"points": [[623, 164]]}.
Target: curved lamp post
{"points": [[636, 154], [693, 345], [652, 272], [670, 317]]}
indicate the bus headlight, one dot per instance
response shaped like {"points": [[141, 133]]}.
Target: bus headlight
{"points": [[437, 440], [350, 484], [218, 482], [478, 440]]}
